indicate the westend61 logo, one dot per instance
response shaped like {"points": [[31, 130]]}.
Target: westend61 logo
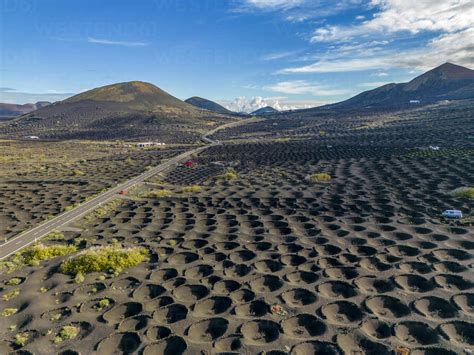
{"points": [[85, 29], [192, 5], [10, 6]]}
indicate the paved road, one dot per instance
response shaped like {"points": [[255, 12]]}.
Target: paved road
{"points": [[32, 235]]}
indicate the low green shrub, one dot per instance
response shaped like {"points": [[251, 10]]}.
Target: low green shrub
{"points": [[14, 281], [463, 192], [66, 333], [35, 254], [191, 189], [319, 177], [21, 338], [79, 278], [103, 210], [78, 172], [111, 258], [7, 312], [54, 235], [40, 252], [230, 174], [11, 294], [103, 303], [159, 193]]}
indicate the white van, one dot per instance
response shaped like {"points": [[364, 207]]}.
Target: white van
{"points": [[452, 214]]}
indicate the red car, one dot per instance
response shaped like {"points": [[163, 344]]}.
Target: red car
{"points": [[123, 192], [189, 164]]}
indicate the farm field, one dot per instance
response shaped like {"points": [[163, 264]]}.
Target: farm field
{"points": [[40, 179], [324, 243]]}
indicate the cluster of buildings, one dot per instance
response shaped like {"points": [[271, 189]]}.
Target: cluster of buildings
{"points": [[149, 144]]}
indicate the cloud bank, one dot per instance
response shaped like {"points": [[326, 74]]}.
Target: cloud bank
{"points": [[247, 105]]}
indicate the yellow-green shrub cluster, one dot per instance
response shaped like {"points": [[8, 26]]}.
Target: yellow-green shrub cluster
{"points": [[11, 294], [191, 189], [21, 338], [320, 177], [13, 281], [103, 210], [464, 192], [40, 252], [35, 254], [230, 174], [108, 258], [159, 193], [66, 333], [78, 172], [54, 235], [7, 312]]}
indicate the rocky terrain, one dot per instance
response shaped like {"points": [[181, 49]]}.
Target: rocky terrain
{"points": [[303, 236]]}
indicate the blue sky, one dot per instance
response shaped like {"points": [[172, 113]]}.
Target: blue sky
{"points": [[242, 53]]}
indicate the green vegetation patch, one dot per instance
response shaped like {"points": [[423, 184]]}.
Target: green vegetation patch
{"points": [[111, 258], [78, 172], [67, 332], [191, 189], [320, 177], [33, 255], [103, 303], [7, 312], [11, 294], [103, 210], [54, 235], [159, 193], [230, 174], [463, 192], [40, 252], [14, 281], [22, 338]]}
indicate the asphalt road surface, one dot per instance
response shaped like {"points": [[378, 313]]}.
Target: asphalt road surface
{"points": [[32, 235]]}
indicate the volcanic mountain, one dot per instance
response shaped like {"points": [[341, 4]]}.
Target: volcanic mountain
{"points": [[446, 82], [267, 110], [13, 110], [130, 110], [207, 105]]}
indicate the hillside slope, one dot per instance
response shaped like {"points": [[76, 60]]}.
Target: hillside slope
{"points": [[13, 110], [446, 82], [131, 110], [206, 104], [267, 110]]}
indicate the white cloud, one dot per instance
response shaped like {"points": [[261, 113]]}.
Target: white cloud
{"points": [[297, 10], [300, 87], [402, 15], [244, 104], [422, 15], [340, 65], [454, 47], [116, 43], [274, 4], [16, 97], [278, 55]]}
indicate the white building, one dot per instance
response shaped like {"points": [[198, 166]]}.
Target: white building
{"points": [[149, 144]]}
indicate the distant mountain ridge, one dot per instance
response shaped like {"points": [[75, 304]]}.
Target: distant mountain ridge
{"points": [[137, 95], [126, 110], [446, 82], [13, 110], [267, 110], [207, 105]]}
